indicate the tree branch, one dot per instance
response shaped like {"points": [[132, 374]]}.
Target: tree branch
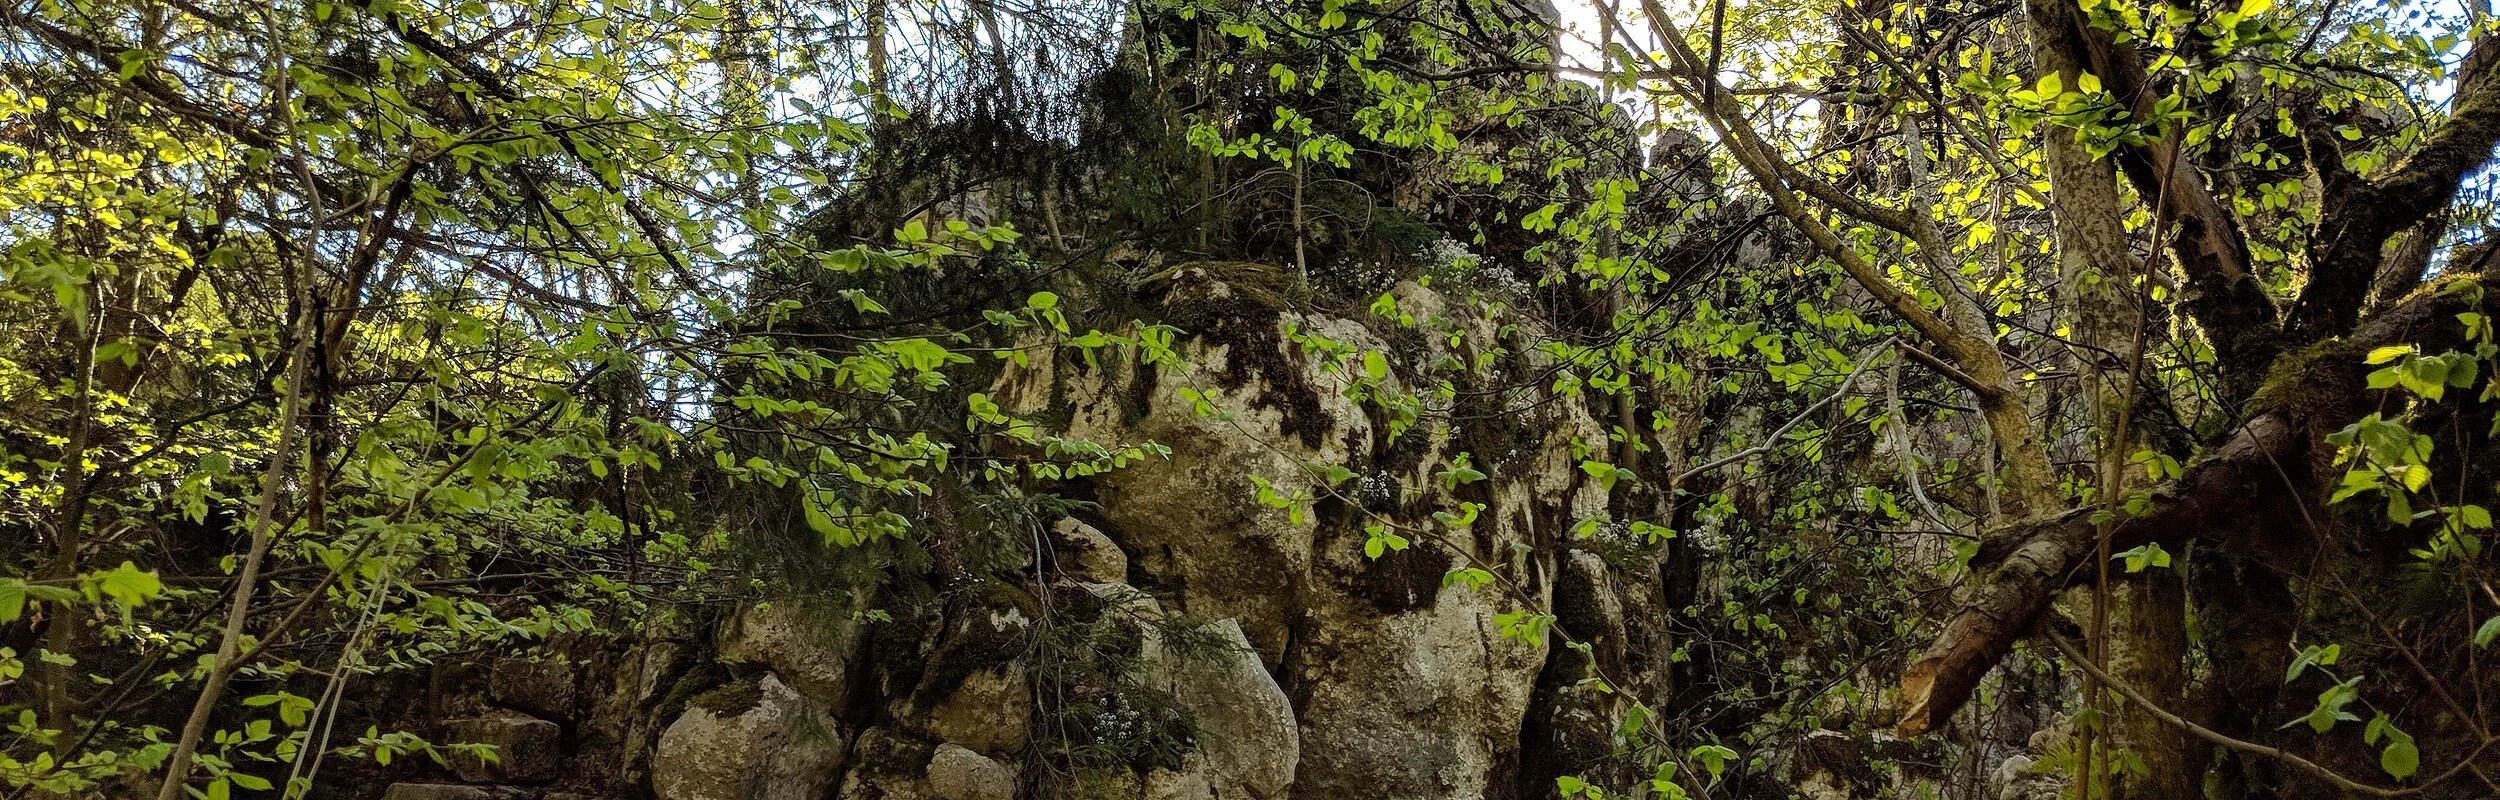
{"points": [[2075, 655], [2240, 497], [2346, 250]]}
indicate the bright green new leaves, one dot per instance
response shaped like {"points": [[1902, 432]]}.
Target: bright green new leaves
{"points": [[1379, 540], [1459, 473], [2144, 556], [2425, 375], [1295, 503], [2331, 707], [1524, 627], [2389, 458], [2401, 759], [1607, 475], [1473, 578], [2312, 656], [126, 586], [1713, 758], [292, 710], [17, 595]]}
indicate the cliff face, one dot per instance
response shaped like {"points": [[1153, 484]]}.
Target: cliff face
{"points": [[1314, 590], [1176, 638], [1181, 638]]}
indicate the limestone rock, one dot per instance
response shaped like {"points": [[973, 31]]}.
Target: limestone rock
{"points": [[958, 774], [2018, 777], [540, 686], [973, 691], [887, 765], [811, 643], [527, 749], [1191, 782], [1125, 600], [1087, 555], [989, 712], [1132, 610], [1107, 782], [1405, 688], [1245, 723], [748, 741]]}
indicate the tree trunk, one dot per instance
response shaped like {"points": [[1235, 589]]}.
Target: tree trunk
{"points": [[2138, 624]]}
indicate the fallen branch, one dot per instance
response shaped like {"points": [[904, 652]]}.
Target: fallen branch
{"points": [[2036, 559]]}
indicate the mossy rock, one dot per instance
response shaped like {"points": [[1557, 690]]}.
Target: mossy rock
{"points": [[1203, 296], [730, 699], [1240, 306]]}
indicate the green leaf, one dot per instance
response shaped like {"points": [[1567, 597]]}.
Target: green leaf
{"points": [[2150, 554], [2312, 655], [1459, 473], [126, 585], [2330, 708], [2388, 353], [2400, 759], [824, 526], [1713, 758], [2489, 630], [1473, 577], [2473, 516], [1380, 541], [1606, 474], [1042, 301]]}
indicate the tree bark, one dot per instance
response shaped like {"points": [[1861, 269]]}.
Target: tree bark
{"points": [[2139, 621], [2251, 497]]}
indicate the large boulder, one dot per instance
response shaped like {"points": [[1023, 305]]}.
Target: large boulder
{"points": [[1195, 780], [1244, 721], [989, 712], [973, 691], [956, 773], [752, 740], [526, 749], [1086, 555], [811, 643]]}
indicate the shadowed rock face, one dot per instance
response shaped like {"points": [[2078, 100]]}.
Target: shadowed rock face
{"points": [[1416, 696], [1279, 659]]}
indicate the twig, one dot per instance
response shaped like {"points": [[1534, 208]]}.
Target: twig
{"points": [[273, 475], [1909, 455], [1865, 359], [2128, 691]]}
